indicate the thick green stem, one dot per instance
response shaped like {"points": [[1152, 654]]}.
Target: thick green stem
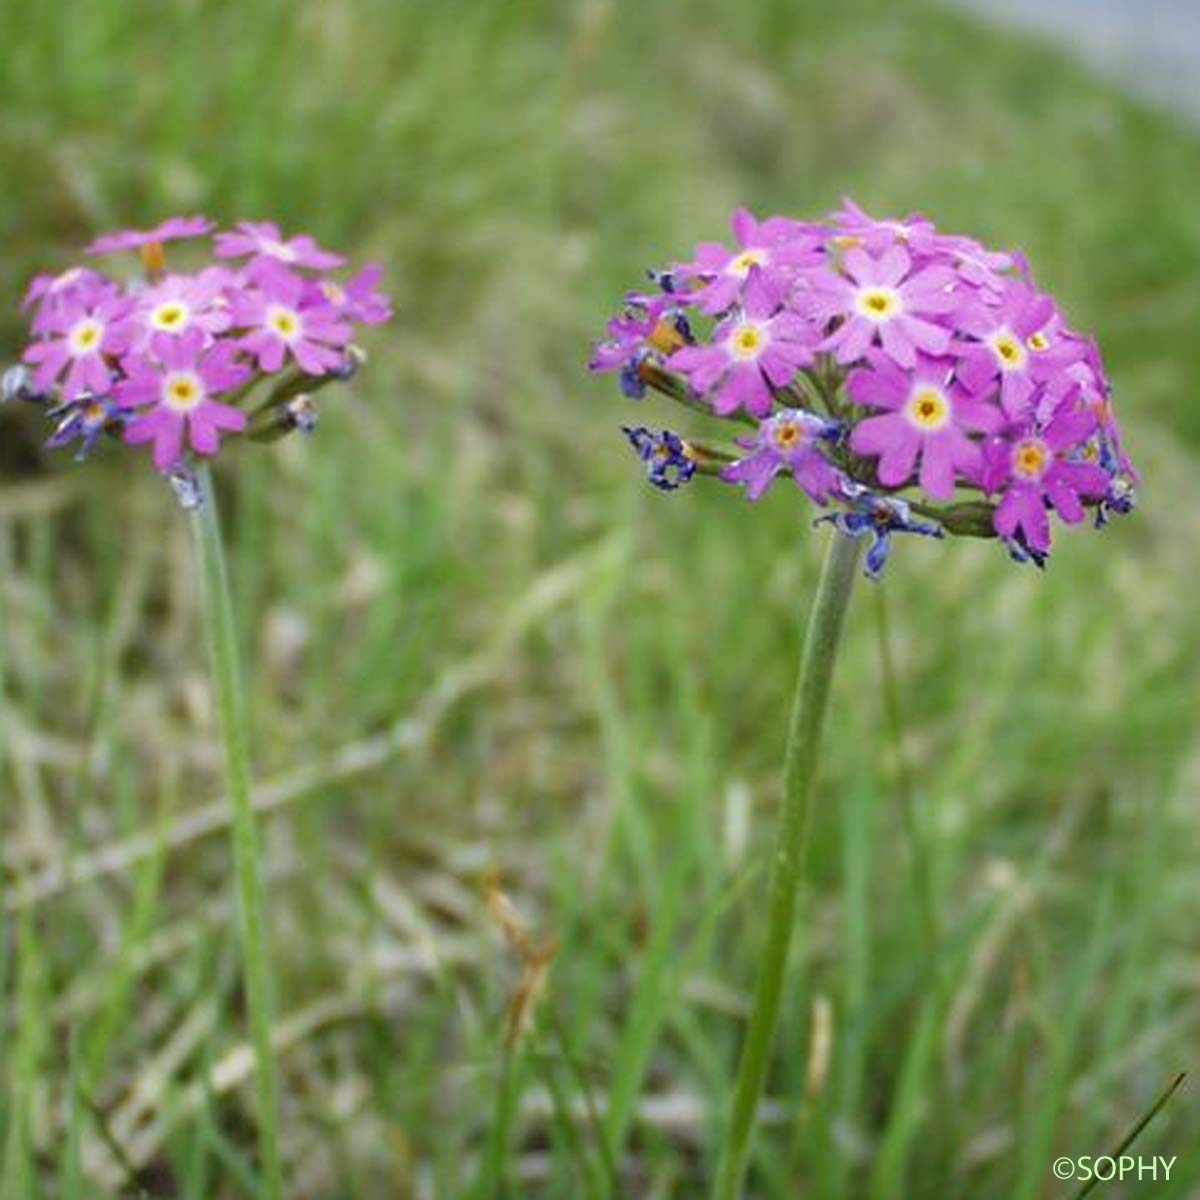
{"points": [[222, 645], [800, 764]]}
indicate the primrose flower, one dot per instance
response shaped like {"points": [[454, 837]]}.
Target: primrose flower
{"points": [[178, 304], [776, 246], [788, 441], [883, 299], [929, 416], [284, 317], [84, 330], [668, 463], [1035, 469], [1021, 341], [171, 230], [359, 298], [47, 292], [174, 388], [262, 240], [757, 348], [876, 357]]}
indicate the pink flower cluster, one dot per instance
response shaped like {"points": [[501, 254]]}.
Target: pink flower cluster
{"points": [[168, 359], [882, 354]]}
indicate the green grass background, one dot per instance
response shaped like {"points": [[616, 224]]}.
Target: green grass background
{"points": [[477, 642]]}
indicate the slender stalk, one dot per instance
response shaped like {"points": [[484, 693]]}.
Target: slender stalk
{"points": [[800, 764], [223, 652]]}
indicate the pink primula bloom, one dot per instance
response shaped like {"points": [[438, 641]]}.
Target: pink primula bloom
{"points": [[175, 385], [788, 441], [976, 265], [179, 304], [83, 332], [1021, 341], [173, 229], [262, 240], [927, 416], [883, 300], [757, 348], [359, 298], [285, 316], [46, 292], [1036, 467], [777, 246]]}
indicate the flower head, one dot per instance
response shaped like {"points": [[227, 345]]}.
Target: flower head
{"points": [[169, 360], [874, 356]]}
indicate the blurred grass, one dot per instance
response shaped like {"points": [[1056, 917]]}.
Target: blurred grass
{"points": [[590, 681]]}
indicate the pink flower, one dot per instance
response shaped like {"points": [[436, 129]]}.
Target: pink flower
{"points": [[777, 246], [84, 329], [284, 315], [788, 441], [927, 415], [178, 384], [1021, 340], [46, 292], [359, 298], [759, 347], [1039, 467], [977, 266], [882, 299], [263, 240], [173, 229], [181, 303]]}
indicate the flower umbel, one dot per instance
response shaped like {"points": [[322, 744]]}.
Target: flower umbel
{"points": [[171, 359], [890, 368]]}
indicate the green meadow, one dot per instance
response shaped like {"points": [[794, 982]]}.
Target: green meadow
{"points": [[482, 655]]}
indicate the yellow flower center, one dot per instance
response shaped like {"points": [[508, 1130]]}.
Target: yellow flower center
{"points": [[740, 266], [1030, 458], [1038, 341], [1009, 351], [787, 434], [284, 321], [94, 414], [170, 316], [85, 337], [747, 341], [182, 391], [928, 409], [878, 303]]}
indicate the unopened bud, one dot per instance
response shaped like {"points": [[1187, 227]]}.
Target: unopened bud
{"points": [[186, 487], [301, 412]]}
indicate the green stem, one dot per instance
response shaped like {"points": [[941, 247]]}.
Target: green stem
{"points": [[800, 763], [222, 645]]}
